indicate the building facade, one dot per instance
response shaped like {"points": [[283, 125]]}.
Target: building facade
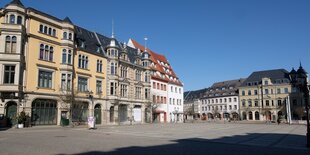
{"points": [[166, 88], [221, 101], [263, 95], [53, 69]]}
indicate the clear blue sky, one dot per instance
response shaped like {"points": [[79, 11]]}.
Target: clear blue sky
{"points": [[205, 41]]}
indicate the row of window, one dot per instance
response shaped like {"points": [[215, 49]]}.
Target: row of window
{"points": [[221, 108], [124, 91], [159, 99], [14, 19], [159, 86], [266, 91], [267, 103], [209, 101], [47, 30], [46, 81], [266, 82], [172, 101]]}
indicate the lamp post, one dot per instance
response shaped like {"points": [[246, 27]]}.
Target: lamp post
{"points": [[299, 80], [91, 97]]}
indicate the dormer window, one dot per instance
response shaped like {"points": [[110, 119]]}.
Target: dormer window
{"points": [[83, 44], [98, 49]]}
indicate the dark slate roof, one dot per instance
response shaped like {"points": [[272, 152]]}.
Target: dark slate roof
{"points": [[224, 88], [16, 2], [91, 43], [277, 74], [67, 20], [192, 95], [90, 40], [132, 54]]}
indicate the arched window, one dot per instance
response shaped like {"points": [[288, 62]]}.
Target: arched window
{"points": [[50, 31], [41, 28], [250, 115], [13, 48], [45, 29], [46, 51], [80, 61], [7, 44], [70, 36], [83, 62], [64, 35], [12, 19], [51, 54], [112, 68], [54, 32], [64, 56], [41, 51], [69, 57], [256, 115], [86, 63], [19, 20]]}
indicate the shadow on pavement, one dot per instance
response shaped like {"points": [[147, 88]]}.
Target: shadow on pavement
{"points": [[251, 144]]}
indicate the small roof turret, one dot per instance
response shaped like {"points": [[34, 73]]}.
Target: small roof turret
{"points": [[16, 2]]}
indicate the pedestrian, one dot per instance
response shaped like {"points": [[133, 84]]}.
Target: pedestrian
{"points": [[278, 120]]}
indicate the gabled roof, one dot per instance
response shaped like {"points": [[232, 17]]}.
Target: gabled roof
{"points": [[157, 59], [16, 2], [276, 74]]}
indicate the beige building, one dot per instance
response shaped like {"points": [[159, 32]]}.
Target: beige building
{"points": [[263, 95], [53, 69]]}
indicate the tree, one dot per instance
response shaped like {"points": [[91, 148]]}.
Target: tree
{"points": [[67, 97]]}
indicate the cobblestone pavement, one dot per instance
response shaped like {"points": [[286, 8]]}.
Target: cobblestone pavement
{"points": [[188, 138]]}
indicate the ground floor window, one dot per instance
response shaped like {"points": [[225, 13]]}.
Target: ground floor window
{"points": [[44, 112], [80, 112]]}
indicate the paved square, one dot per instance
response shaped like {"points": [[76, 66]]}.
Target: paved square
{"points": [[188, 138]]}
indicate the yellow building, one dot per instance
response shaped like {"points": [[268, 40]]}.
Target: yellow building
{"points": [[263, 95], [54, 70], [44, 68]]}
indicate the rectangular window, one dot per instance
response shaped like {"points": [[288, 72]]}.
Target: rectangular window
{"points": [[250, 103], [65, 81], [45, 79], [235, 99], [243, 103], [255, 92], [235, 107], [266, 91], [266, 82], [243, 93], [279, 91], [230, 107], [138, 93], [154, 85], [98, 86], [123, 90], [267, 103], [112, 88], [279, 103], [99, 66], [249, 92], [82, 84], [256, 103], [9, 74], [147, 94], [285, 90], [229, 99]]}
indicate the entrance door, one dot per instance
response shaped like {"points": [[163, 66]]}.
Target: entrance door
{"points": [[11, 111], [98, 113]]}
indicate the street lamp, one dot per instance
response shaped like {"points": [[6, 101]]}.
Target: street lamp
{"points": [[91, 97], [299, 80]]}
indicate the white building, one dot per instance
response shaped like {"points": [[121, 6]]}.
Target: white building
{"points": [[221, 101], [166, 89]]}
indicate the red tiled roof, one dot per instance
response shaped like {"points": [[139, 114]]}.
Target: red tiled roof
{"points": [[155, 57]]}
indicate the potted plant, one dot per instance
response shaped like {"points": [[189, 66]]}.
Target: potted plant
{"points": [[21, 119]]}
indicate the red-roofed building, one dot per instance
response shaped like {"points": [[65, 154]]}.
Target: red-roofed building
{"points": [[166, 89]]}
